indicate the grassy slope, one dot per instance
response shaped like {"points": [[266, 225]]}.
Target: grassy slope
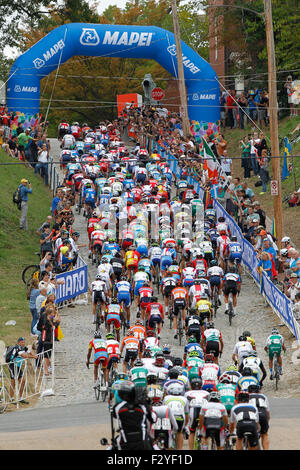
{"points": [[17, 247], [291, 214]]}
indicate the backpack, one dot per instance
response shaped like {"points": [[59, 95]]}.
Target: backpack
{"points": [[8, 354], [17, 197]]}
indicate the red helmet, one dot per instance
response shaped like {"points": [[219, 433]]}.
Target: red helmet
{"points": [[209, 358], [150, 333]]}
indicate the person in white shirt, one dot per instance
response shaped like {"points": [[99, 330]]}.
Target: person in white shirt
{"points": [[68, 141], [42, 163], [226, 163]]}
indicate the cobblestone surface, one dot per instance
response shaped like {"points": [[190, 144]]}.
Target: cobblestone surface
{"points": [[73, 381]]}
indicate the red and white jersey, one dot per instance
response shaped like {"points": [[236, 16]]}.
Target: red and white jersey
{"points": [[113, 347], [145, 292], [98, 235], [210, 373], [150, 342], [222, 244], [222, 227], [196, 291], [155, 308], [200, 264], [127, 234]]}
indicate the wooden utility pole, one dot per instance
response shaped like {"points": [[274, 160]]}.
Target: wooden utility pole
{"points": [[181, 82], [273, 118]]}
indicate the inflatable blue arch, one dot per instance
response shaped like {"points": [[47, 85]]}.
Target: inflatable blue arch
{"points": [[101, 40]]}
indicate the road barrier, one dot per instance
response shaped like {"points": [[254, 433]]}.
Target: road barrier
{"points": [[75, 282]]}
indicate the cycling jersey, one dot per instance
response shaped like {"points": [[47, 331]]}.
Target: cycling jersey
{"points": [[227, 392], [100, 351], [138, 375], [274, 344]]}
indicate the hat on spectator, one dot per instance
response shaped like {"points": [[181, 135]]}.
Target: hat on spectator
{"points": [[24, 180], [21, 339], [263, 233], [256, 203], [293, 275]]}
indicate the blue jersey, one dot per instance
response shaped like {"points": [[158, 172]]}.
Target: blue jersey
{"points": [[244, 382], [123, 286], [89, 194], [128, 184], [213, 234], [234, 250], [111, 247]]}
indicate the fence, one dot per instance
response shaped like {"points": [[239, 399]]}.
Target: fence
{"points": [[75, 282], [30, 380], [280, 304], [53, 176]]}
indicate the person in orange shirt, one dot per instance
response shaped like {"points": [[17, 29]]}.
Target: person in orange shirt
{"points": [[179, 296], [139, 331], [132, 348]]}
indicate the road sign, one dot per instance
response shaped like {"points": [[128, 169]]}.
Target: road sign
{"points": [[274, 188], [157, 94]]}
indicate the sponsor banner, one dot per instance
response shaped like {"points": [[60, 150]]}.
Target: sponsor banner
{"points": [[75, 283]]}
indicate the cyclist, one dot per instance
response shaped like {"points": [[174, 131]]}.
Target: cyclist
{"points": [[155, 313], [117, 264], [179, 299], [274, 344], [193, 325], [215, 274], [262, 404], [139, 279], [131, 345], [227, 391], [168, 283], [179, 405], [231, 284], [150, 341], [98, 290], [193, 345], [123, 295], [113, 314], [241, 350], [210, 373], [255, 363], [138, 375], [113, 349], [213, 420], [245, 419], [145, 294], [166, 424], [132, 259], [212, 341], [196, 398], [234, 252], [204, 309], [99, 346]]}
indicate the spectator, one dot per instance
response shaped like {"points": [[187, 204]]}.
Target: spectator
{"points": [[265, 264], [47, 222], [43, 157], [46, 240], [260, 212], [19, 353], [47, 324], [254, 140], [34, 292], [246, 161], [23, 140], [24, 191], [230, 105], [243, 109], [47, 258], [40, 299], [226, 163], [290, 88], [19, 129], [262, 108], [221, 145], [263, 172], [292, 287], [248, 191], [13, 147], [296, 310]]}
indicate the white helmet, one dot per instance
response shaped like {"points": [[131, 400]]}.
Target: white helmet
{"points": [[286, 240], [284, 252], [175, 389]]}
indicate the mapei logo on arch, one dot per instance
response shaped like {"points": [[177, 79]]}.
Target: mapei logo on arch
{"points": [[90, 37], [25, 89], [53, 50]]}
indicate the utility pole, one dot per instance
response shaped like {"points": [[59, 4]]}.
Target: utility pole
{"points": [[273, 118], [182, 89]]}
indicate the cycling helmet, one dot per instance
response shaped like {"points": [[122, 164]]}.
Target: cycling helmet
{"points": [[122, 376], [275, 331], [97, 334], [202, 274], [225, 378], [173, 373], [98, 277], [246, 333], [110, 336], [232, 367], [193, 311], [175, 389], [179, 282], [214, 397], [124, 277], [253, 388], [208, 358], [139, 322], [177, 361], [127, 391], [247, 371], [210, 324], [152, 377], [242, 338], [243, 396], [284, 252], [154, 299], [150, 333], [159, 359], [94, 214], [138, 363], [196, 383], [286, 240], [194, 354], [192, 339]]}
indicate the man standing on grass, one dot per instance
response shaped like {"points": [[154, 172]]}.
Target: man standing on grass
{"points": [[24, 191]]}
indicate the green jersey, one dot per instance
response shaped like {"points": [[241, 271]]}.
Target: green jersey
{"points": [[138, 376], [227, 392], [194, 362], [274, 344]]}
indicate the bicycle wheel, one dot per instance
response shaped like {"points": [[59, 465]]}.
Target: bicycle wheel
{"points": [[276, 372], [98, 316], [97, 392], [230, 312], [103, 386], [157, 277], [29, 272], [4, 399], [180, 332], [215, 301]]}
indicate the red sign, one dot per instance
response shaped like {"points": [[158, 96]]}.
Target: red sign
{"points": [[274, 188], [157, 94]]}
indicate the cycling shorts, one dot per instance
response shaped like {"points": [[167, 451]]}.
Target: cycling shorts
{"points": [[215, 281], [117, 273], [127, 242], [188, 282], [230, 286], [212, 347], [91, 202], [236, 257], [140, 177], [98, 296], [111, 359], [248, 426], [167, 290], [154, 319], [179, 304], [263, 420], [194, 331], [165, 262], [113, 318], [194, 418], [180, 422], [213, 427], [131, 354], [101, 356], [155, 261], [274, 349], [209, 384], [144, 301], [124, 296]]}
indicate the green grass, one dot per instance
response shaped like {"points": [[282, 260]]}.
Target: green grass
{"points": [[17, 247]]}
